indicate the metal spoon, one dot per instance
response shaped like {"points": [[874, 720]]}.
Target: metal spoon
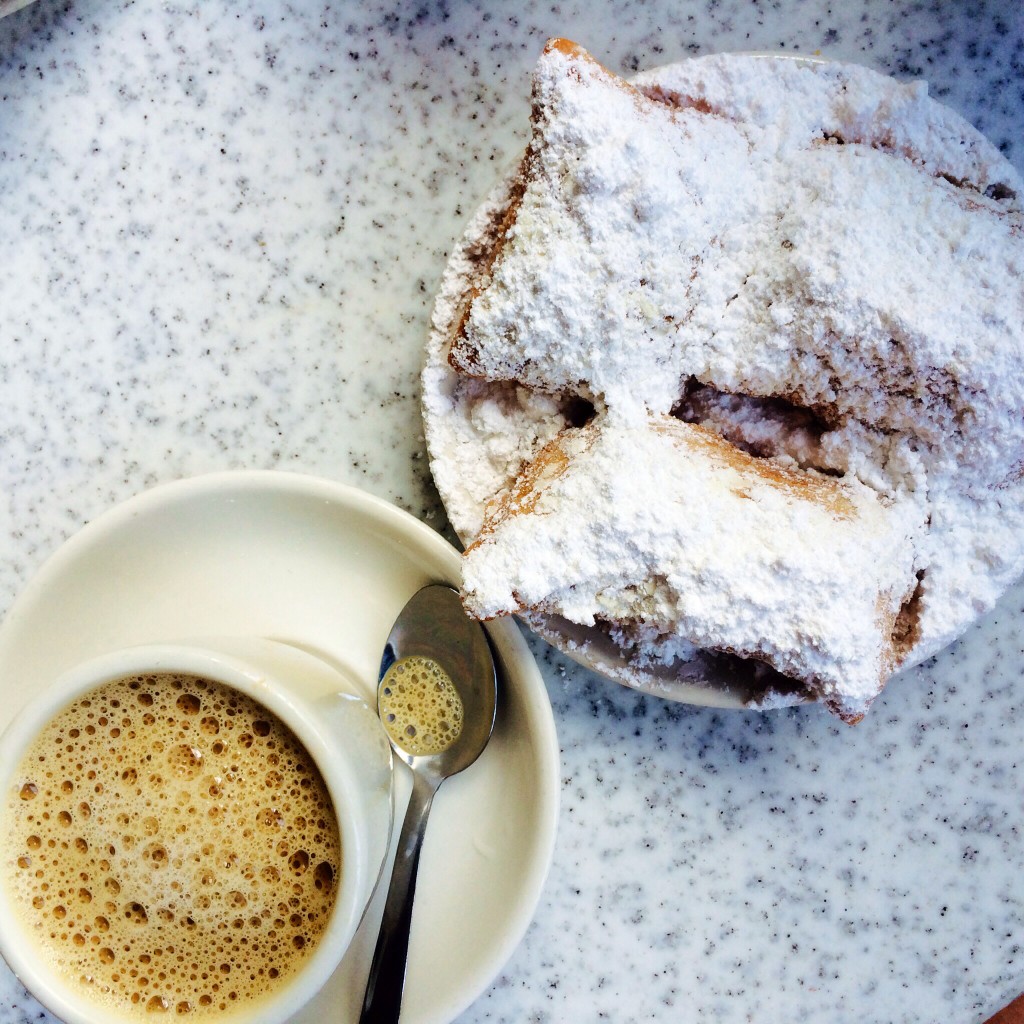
{"points": [[436, 741]]}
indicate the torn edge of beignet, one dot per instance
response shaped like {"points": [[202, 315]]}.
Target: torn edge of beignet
{"points": [[673, 526]]}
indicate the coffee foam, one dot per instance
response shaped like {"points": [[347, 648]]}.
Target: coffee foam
{"points": [[419, 705], [172, 846]]}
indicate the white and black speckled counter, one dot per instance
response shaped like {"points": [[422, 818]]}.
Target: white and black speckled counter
{"points": [[222, 225]]}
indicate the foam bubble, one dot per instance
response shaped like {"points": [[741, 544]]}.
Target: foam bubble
{"points": [[172, 846]]}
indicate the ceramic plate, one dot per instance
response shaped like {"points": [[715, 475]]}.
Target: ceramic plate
{"points": [[327, 568], [476, 429]]}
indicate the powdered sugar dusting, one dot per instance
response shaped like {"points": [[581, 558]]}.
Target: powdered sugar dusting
{"points": [[820, 264], [793, 570]]}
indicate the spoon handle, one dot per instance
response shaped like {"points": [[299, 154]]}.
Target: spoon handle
{"points": [[382, 1003]]}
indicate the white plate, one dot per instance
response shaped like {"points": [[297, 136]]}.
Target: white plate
{"points": [[476, 429], [328, 568]]}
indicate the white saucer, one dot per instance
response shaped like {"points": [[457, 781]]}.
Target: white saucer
{"points": [[328, 568]]}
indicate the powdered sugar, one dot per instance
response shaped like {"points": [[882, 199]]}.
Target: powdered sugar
{"points": [[793, 570], [854, 279]]}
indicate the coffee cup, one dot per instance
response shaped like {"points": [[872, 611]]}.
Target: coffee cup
{"points": [[192, 829]]}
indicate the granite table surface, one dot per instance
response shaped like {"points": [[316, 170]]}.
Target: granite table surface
{"points": [[221, 226]]}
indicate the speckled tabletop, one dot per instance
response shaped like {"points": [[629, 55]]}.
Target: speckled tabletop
{"points": [[222, 225]]}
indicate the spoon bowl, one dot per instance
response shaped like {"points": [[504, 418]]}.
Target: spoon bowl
{"points": [[436, 698], [434, 627]]}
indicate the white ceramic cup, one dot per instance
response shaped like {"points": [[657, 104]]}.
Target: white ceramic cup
{"points": [[338, 728]]}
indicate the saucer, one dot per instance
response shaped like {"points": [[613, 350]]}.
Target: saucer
{"points": [[326, 568]]}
